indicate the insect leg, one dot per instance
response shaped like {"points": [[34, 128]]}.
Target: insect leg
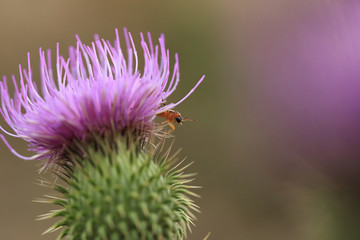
{"points": [[172, 127], [165, 122]]}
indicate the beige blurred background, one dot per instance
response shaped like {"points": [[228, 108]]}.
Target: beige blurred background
{"points": [[271, 167]]}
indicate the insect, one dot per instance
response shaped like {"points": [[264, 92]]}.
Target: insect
{"points": [[171, 117]]}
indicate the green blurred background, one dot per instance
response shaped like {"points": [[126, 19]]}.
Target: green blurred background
{"points": [[256, 183]]}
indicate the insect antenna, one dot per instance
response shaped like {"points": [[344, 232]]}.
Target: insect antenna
{"points": [[188, 120]]}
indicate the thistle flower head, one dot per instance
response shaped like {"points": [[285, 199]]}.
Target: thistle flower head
{"points": [[98, 90]]}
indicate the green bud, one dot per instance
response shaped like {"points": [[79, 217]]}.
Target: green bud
{"points": [[122, 192]]}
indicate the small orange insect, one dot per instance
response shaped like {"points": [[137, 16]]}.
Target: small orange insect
{"points": [[171, 117]]}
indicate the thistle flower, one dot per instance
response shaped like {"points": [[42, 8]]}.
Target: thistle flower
{"points": [[83, 120], [97, 91]]}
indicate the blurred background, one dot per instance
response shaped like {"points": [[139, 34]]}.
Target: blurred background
{"points": [[276, 141]]}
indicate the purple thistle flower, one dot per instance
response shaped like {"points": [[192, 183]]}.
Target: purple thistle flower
{"points": [[96, 91]]}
